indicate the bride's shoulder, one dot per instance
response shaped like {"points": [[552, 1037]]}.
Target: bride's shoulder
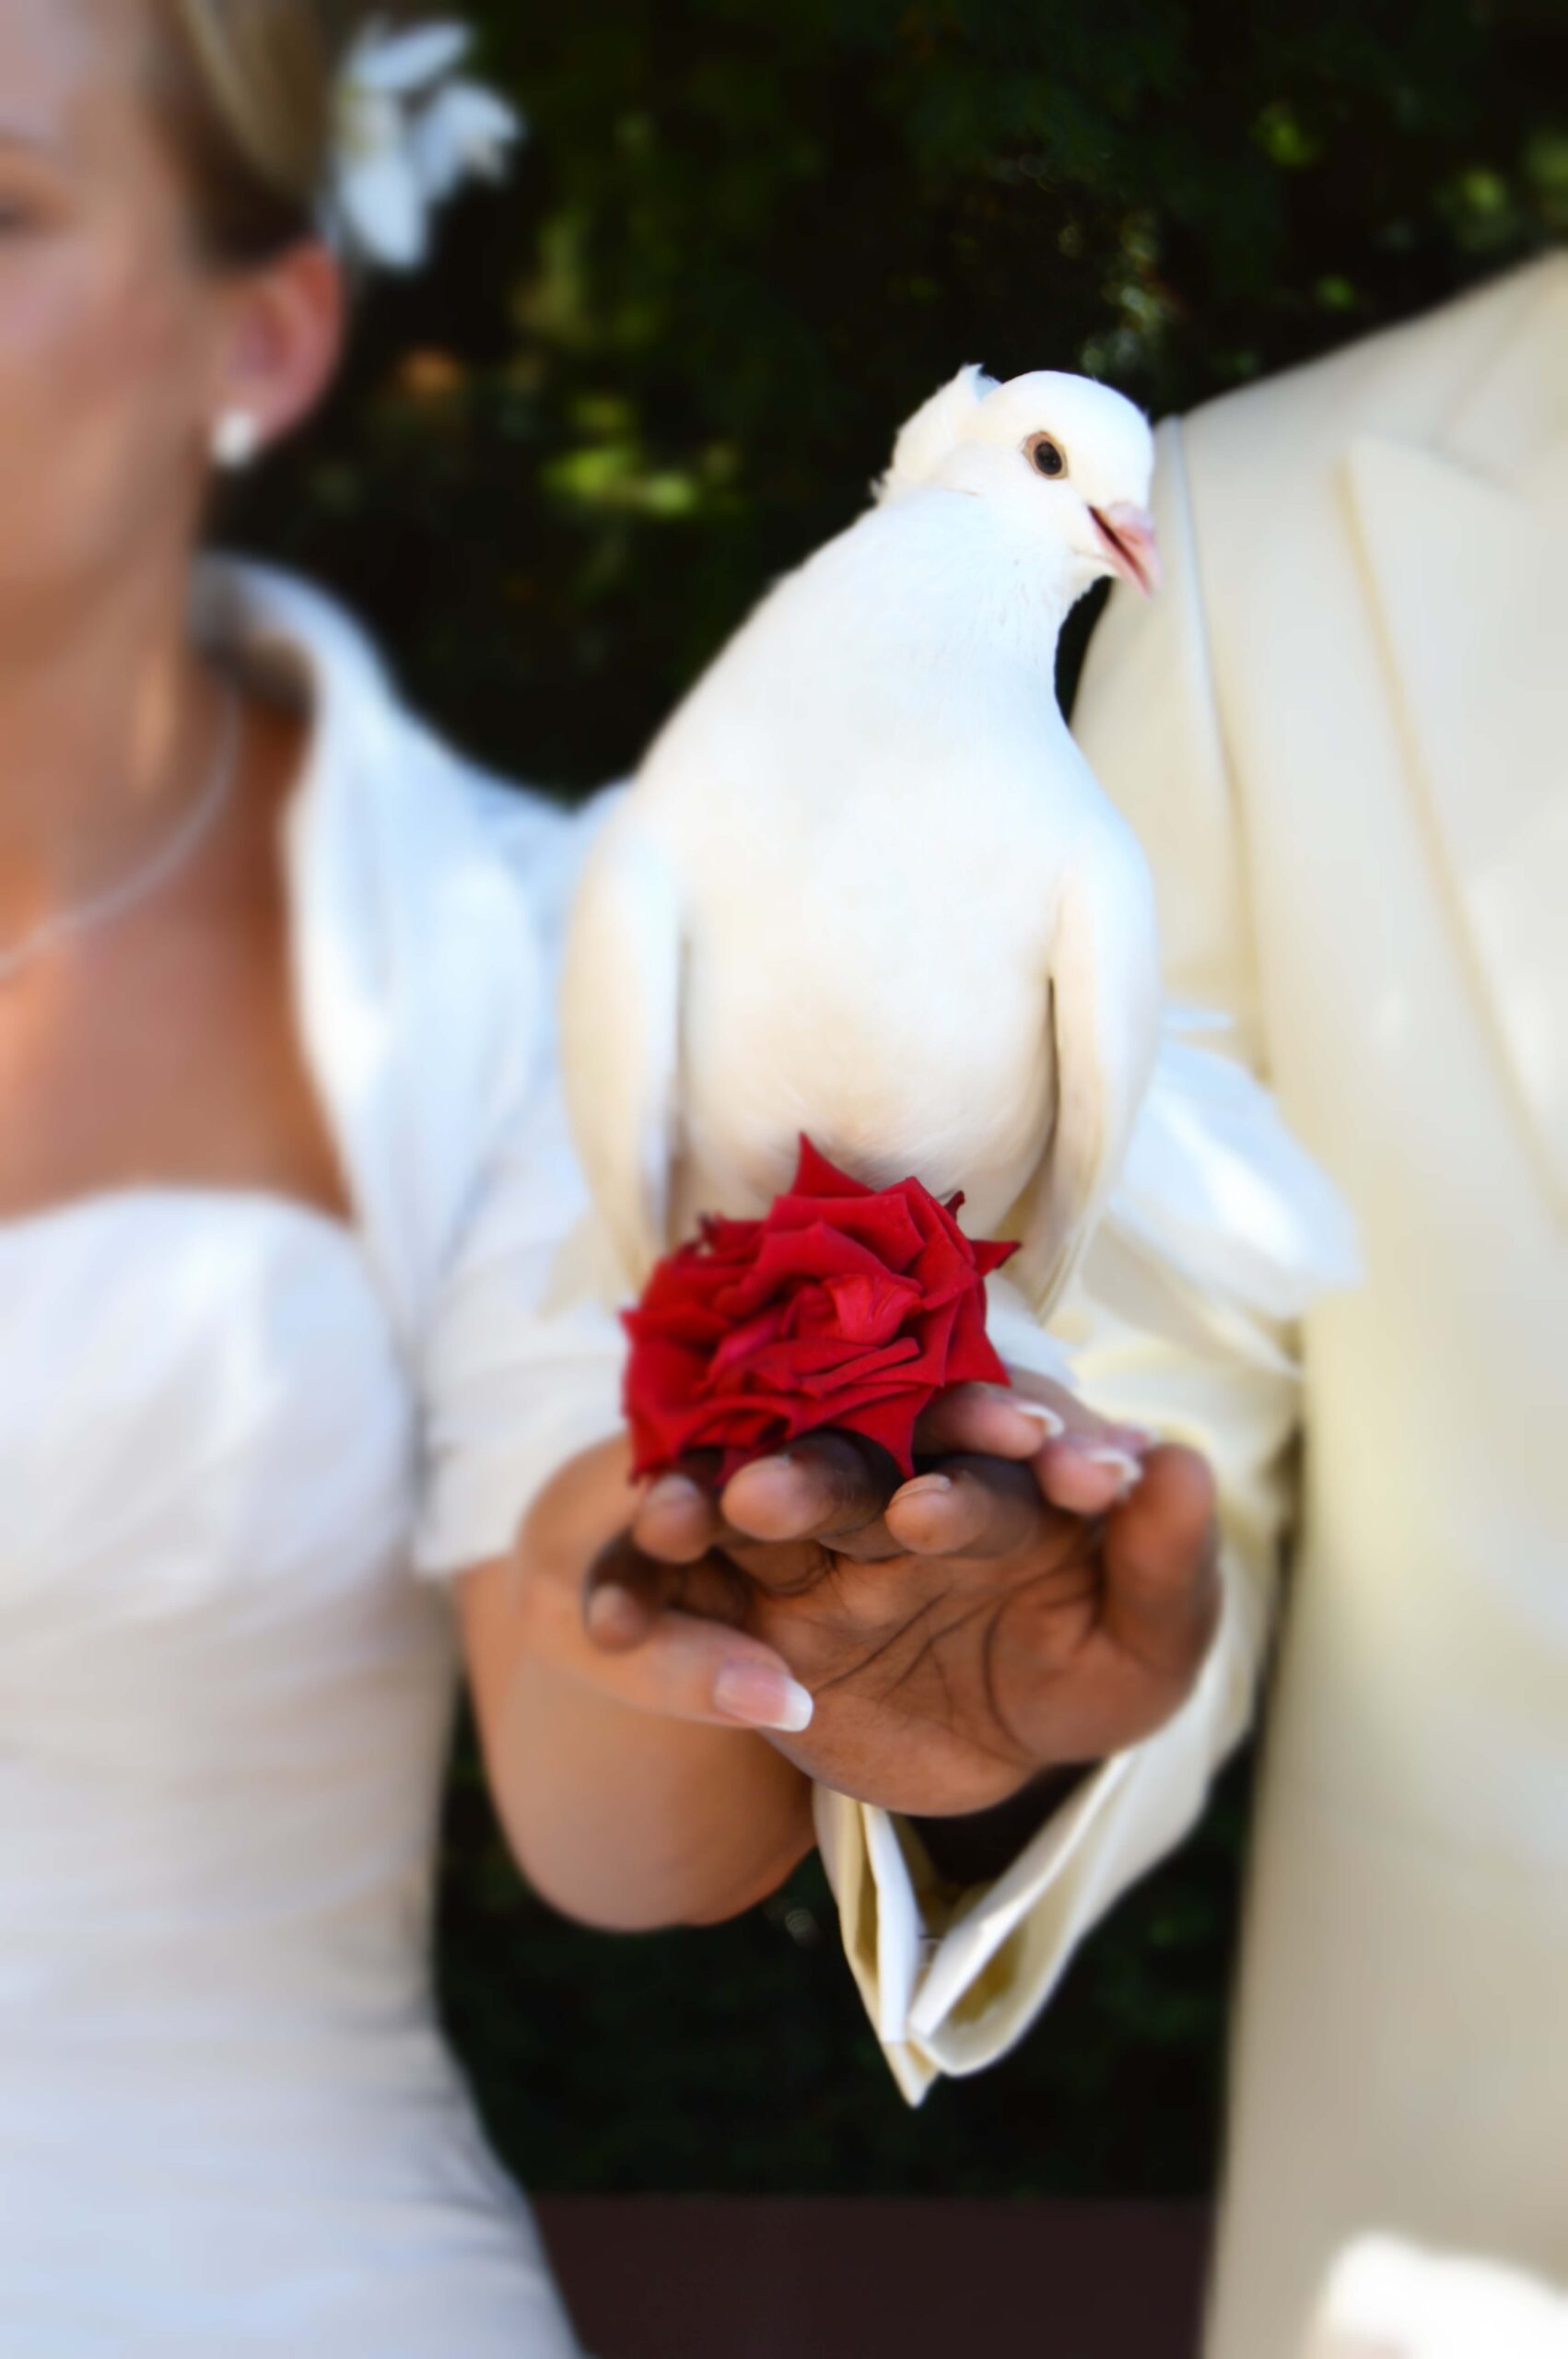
{"points": [[387, 795]]}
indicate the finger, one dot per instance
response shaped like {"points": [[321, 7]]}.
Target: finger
{"points": [[1084, 1462], [1162, 1583], [623, 1594], [826, 1486], [1083, 1475], [1016, 1420], [1090, 1461], [677, 1517], [625, 1591], [969, 1507], [639, 1646], [689, 1670], [618, 1618], [991, 1420]]}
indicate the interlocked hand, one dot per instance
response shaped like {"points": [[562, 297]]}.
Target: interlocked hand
{"points": [[1041, 1593]]}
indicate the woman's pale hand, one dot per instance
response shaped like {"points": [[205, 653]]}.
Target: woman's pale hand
{"points": [[578, 1562]]}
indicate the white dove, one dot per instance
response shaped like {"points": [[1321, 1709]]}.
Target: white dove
{"points": [[865, 886]]}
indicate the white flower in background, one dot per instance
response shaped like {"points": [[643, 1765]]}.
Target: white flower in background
{"points": [[409, 132]]}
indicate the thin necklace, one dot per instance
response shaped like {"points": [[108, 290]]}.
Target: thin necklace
{"points": [[143, 882]]}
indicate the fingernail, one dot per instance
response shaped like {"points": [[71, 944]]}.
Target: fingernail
{"points": [[763, 1697], [926, 1487], [607, 1608], [1117, 1462], [670, 1491], [1046, 1419]]}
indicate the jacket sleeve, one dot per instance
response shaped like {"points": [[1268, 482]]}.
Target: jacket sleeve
{"points": [[1183, 1322], [520, 1365]]}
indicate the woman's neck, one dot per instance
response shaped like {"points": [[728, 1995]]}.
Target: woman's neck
{"points": [[104, 713]]}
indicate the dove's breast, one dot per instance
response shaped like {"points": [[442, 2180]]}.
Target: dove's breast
{"points": [[869, 807], [883, 989]]}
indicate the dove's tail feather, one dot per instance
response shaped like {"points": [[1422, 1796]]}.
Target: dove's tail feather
{"points": [[1219, 1220]]}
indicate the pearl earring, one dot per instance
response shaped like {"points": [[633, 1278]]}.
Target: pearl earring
{"points": [[236, 438]]}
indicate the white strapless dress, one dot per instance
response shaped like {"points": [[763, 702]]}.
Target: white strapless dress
{"points": [[227, 2120]]}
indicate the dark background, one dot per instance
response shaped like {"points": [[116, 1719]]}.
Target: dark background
{"points": [[742, 243]]}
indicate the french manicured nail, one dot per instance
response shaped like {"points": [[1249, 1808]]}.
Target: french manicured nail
{"points": [[1117, 1461], [763, 1697], [1050, 1424]]}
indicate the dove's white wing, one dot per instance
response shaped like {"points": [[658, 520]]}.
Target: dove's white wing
{"points": [[620, 1036], [1103, 1020]]}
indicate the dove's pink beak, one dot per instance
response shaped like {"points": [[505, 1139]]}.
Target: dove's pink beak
{"points": [[1127, 535]]}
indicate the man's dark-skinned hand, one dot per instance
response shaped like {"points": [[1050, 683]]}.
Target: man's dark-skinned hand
{"points": [[1040, 1595]]}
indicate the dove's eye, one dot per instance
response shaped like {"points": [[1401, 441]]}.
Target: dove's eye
{"points": [[1046, 458]]}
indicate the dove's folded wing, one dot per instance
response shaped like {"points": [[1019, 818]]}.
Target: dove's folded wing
{"points": [[1102, 1014], [620, 1038]]}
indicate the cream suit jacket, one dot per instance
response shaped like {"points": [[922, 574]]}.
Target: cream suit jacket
{"points": [[1342, 734]]}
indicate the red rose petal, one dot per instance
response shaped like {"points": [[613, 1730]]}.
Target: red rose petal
{"points": [[814, 1176], [870, 1306], [845, 1305], [882, 1223]]}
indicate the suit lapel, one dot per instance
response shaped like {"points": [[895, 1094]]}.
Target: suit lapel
{"points": [[1469, 585]]}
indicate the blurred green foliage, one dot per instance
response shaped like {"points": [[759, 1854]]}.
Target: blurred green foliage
{"points": [[739, 2059], [742, 243]]}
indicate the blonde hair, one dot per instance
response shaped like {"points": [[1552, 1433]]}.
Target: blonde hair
{"points": [[245, 89]]}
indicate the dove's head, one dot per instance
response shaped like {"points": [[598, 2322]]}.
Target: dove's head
{"points": [[1067, 461]]}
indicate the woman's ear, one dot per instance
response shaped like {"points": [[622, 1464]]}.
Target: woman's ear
{"points": [[282, 340]]}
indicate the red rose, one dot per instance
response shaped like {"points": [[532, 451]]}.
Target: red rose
{"points": [[845, 1305]]}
